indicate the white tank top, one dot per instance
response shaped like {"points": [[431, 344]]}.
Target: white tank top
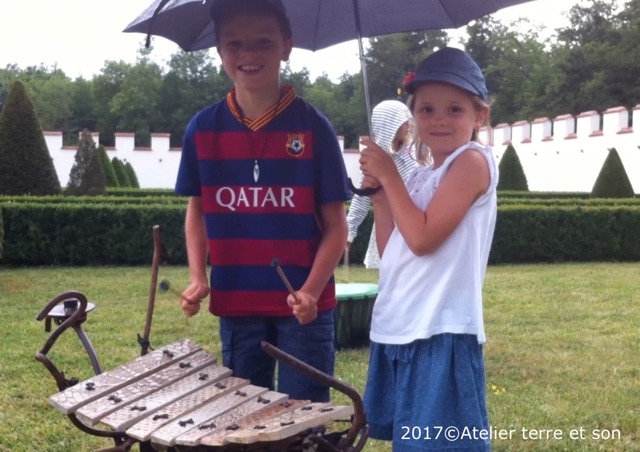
{"points": [[421, 296]]}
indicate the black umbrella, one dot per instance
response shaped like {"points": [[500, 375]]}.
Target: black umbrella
{"points": [[317, 24]]}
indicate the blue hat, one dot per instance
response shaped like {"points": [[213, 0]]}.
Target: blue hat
{"points": [[453, 66]]}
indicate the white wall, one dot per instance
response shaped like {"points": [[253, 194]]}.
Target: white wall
{"points": [[560, 154], [155, 166]]}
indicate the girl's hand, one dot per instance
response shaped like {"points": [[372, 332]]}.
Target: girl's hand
{"points": [[375, 163], [305, 307]]}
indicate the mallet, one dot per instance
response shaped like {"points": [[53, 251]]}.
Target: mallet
{"points": [[275, 263], [165, 286]]}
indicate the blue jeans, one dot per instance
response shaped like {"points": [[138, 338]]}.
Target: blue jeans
{"points": [[311, 343]]}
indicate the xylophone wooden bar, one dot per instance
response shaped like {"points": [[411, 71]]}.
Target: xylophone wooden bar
{"points": [[126, 417], [147, 426], [179, 397], [71, 399]]}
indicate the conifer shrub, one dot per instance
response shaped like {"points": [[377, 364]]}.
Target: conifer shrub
{"points": [[512, 175], [87, 176], [612, 181], [111, 180], [121, 172], [26, 168], [131, 175]]}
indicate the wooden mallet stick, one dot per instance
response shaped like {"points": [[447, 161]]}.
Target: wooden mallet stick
{"points": [[165, 286], [275, 263]]}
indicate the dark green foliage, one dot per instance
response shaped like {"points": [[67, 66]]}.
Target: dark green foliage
{"points": [[87, 175], [1, 235], [511, 173], [121, 172], [77, 234], [566, 234], [107, 230], [131, 175], [25, 164], [358, 249], [612, 181], [111, 180]]}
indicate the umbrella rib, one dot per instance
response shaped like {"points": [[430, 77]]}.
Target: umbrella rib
{"points": [[153, 21], [315, 34]]}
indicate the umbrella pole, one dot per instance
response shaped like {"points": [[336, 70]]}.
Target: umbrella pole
{"points": [[363, 64]]}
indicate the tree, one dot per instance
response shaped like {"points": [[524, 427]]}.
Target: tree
{"points": [[516, 68], [87, 177], [592, 62], [192, 83], [111, 180], [136, 104], [131, 175], [612, 181], [84, 110], [512, 176], [121, 173], [25, 164], [106, 86], [52, 94], [390, 57]]}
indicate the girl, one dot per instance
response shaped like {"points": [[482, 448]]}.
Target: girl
{"points": [[426, 386]]}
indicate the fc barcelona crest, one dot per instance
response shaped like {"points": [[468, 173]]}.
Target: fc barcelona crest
{"points": [[295, 144]]}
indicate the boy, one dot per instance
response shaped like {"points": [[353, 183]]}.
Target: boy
{"points": [[266, 180]]}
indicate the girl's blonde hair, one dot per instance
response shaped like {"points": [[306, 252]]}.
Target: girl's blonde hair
{"points": [[422, 151]]}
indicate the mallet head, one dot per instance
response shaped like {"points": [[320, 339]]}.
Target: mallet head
{"points": [[164, 285]]}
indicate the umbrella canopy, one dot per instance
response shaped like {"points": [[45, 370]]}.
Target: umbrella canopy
{"points": [[317, 24]]}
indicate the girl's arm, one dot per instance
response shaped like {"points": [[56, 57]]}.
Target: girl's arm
{"points": [[424, 231]]}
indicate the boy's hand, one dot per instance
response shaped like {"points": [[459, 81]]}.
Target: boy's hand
{"points": [[305, 307], [192, 297]]}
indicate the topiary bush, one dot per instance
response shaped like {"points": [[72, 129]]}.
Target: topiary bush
{"points": [[25, 164], [131, 175], [111, 180], [121, 172], [512, 175], [612, 181], [87, 176]]}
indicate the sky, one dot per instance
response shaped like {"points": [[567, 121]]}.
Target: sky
{"points": [[78, 36]]}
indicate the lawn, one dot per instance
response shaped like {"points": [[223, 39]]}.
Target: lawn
{"points": [[562, 358]]}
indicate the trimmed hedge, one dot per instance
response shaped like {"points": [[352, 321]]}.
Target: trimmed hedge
{"points": [[67, 234], [114, 234], [565, 234], [96, 200], [586, 202], [1, 235]]}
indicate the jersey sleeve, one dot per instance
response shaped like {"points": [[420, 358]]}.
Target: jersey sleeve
{"points": [[188, 180], [331, 173]]}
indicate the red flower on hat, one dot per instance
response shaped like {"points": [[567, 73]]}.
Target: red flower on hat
{"points": [[408, 78]]}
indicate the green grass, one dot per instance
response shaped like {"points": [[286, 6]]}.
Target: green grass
{"points": [[563, 350]]}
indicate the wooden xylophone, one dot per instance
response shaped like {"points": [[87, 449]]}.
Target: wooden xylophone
{"points": [[179, 396]]}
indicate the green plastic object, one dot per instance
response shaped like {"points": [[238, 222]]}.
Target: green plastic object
{"points": [[352, 316]]}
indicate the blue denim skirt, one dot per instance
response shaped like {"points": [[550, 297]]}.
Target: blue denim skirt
{"points": [[429, 394]]}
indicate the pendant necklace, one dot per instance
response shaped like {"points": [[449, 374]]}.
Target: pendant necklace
{"points": [[256, 160]]}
